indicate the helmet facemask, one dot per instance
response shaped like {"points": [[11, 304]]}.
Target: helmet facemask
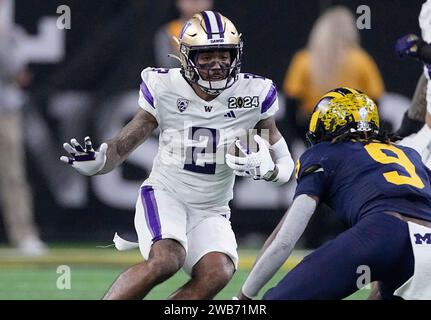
{"points": [[195, 72]]}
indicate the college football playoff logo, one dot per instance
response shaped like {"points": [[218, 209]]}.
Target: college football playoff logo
{"points": [[182, 104]]}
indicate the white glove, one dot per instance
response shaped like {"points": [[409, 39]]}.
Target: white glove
{"points": [[86, 161], [259, 164]]}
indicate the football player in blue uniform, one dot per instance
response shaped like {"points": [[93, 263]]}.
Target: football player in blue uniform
{"points": [[380, 189]]}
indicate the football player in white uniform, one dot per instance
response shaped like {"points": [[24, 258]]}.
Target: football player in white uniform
{"points": [[182, 213]]}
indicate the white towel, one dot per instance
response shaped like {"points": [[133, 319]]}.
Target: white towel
{"points": [[123, 245]]}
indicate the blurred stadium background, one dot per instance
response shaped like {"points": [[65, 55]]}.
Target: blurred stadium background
{"points": [[85, 82]]}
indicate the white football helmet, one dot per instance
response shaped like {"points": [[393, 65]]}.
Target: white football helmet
{"points": [[206, 31]]}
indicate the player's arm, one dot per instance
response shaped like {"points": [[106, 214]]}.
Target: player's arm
{"points": [[280, 244], [414, 117], [412, 46], [420, 140], [268, 241], [130, 137], [283, 162], [277, 168], [113, 152]]}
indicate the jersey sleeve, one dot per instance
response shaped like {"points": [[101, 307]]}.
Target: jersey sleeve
{"points": [[269, 98], [311, 173], [147, 98]]}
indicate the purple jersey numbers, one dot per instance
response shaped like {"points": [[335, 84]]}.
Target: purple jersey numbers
{"points": [[202, 158]]}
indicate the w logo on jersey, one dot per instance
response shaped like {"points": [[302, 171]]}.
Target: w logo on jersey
{"points": [[182, 104]]}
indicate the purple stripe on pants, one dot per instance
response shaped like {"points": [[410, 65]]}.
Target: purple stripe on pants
{"points": [[151, 212]]}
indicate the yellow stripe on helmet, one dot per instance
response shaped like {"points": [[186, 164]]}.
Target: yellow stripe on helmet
{"points": [[315, 115], [332, 94], [352, 90], [313, 120]]}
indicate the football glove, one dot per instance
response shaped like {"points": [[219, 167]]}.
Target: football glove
{"points": [[258, 165], [412, 46], [408, 45], [86, 161]]}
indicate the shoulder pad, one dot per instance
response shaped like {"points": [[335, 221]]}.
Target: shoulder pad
{"points": [[306, 171], [258, 84], [151, 73], [311, 161]]}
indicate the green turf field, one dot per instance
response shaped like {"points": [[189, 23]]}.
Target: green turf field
{"points": [[92, 270]]}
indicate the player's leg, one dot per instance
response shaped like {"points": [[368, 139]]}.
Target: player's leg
{"points": [[165, 259], [210, 275], [370, 250], [212, 259], [160, 223]]}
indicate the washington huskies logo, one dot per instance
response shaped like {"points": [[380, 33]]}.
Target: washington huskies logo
{"points": [[182, 104]]}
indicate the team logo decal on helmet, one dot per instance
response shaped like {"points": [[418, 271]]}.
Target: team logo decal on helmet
{"points": [[340, 111], [206, 31]]}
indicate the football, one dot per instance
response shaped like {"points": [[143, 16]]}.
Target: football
{"points": [[248, 142]]}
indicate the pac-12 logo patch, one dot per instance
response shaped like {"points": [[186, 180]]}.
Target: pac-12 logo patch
{"points": [[182, 104]]}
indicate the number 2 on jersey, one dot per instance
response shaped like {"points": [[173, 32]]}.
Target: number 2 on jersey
{"points": [[201, 159], [375, 150]]}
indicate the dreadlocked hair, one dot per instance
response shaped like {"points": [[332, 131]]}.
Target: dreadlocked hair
{"points": [[366, 137]]}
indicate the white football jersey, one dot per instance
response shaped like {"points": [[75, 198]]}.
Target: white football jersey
{"points": [[195, 134], [425, 21]]}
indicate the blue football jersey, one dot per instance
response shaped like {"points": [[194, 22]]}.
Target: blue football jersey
{"points": [[356, 179]]}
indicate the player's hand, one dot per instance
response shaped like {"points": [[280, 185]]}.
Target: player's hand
{"points": [[413, 46], [231, 161], [86, 160], [408, 45], [259, 164]]}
